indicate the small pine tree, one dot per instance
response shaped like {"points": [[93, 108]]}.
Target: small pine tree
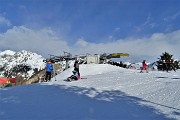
{"points": [[177, 64], [166, 62]]}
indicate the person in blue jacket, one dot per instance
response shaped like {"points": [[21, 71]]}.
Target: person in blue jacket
{"points": [[48, 71]]}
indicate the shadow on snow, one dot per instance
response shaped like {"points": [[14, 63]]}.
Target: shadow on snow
{"points": [[59, 102]]}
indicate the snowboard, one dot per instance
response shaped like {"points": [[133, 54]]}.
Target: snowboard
{"points": [[69, 79]]}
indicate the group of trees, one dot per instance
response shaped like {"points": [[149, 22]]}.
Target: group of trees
{"points": [[22, 69], [167, 63]]}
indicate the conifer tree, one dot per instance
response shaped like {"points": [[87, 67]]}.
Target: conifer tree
{"points": [[167, 63]]}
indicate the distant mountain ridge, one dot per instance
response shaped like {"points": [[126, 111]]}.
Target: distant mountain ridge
{"points": [[21, 63]]}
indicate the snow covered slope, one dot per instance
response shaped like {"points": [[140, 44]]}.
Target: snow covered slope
{"points": [[108, 93]]}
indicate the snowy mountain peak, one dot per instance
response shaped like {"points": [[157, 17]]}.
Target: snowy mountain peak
{"points": [[7, 52], [10, 61]]}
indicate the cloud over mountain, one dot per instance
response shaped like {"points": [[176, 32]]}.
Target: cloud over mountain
{"points": [[46, 41]]}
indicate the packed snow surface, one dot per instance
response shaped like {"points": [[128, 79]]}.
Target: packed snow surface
{"points": [[105, 92]]}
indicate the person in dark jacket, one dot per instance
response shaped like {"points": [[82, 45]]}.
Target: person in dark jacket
{"points": [[76, 68], [48, 71]]}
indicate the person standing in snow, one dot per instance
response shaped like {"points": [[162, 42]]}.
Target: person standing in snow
{"points": [[144, 66], [76, 68], [48, 71]]}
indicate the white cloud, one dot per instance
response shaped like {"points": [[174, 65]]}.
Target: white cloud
{"points": [[4, 21], [172, 17], [117, 29], [148, 23], [81, 43], [142, 48], [110, 36], [175, 15], [42, 41], [45, 42], [148, 20]]}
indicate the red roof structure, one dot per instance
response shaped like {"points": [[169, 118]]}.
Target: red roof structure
{"points": [[6, 80]]}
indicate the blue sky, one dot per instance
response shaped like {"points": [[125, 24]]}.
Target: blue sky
{"points": [[74, 24]]}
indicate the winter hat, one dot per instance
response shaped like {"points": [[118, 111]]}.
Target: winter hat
{"points": [[49, 61]]}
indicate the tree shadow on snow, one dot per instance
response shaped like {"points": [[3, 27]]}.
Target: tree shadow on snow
{"points": [[59, 102], [161, 77], [175, 78]]}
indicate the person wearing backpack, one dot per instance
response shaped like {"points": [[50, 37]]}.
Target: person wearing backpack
{"points": [[76, 68]]}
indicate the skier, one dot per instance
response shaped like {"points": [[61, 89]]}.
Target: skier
{"points": [[74, 76], [76, 68], [144, 66], [48, 71]]}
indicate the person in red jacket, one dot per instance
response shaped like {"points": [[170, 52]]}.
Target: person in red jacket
{"points": [[144, 66]]}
